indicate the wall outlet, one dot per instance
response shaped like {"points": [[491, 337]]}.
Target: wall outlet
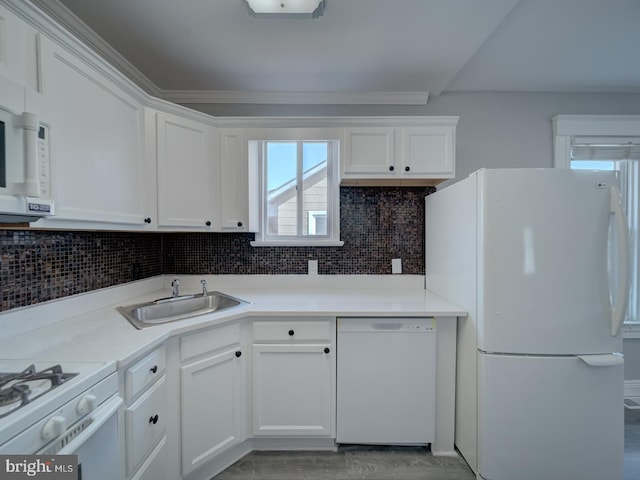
{"points": [[396, 265], [313, 267]]}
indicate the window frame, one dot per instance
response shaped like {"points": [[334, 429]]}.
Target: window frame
{"points": [[567, 127], [258, 147]]}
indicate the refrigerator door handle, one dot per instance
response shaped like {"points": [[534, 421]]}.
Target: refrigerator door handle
{"points": [[619, 310], [603, 360]]}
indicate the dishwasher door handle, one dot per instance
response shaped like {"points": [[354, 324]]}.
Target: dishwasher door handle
{"points": [[387, 326]]}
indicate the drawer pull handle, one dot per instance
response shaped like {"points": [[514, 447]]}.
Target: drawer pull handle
{"points": [[326, 350], [238, 354], [154, 369], [153, 419], [291, 333], [391, 168], [406, 169]]}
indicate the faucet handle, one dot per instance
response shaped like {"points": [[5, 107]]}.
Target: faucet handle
{"points": [[203, 282], [175, 282]]}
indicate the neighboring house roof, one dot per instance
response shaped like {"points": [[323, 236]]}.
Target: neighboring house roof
{"points": [[287, 190]]}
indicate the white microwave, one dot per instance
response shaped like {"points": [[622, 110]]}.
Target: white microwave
{"points": [[25, 186]]}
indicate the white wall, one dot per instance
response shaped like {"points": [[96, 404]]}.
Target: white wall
{"points": [[495, 130]]}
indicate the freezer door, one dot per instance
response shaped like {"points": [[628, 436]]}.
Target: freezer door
{"points": [[550, 417], [543, 283]]}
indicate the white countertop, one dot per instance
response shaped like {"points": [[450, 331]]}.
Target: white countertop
{"points": [[88, 327]]}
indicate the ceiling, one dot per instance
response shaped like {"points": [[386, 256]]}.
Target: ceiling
{"points": [[362, 51]]}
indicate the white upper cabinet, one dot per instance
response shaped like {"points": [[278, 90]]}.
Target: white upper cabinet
{"points": [[19, 47], [97, 134], [186, 169], [427, 151], [419, 153], [233, 182], [369, 150]]}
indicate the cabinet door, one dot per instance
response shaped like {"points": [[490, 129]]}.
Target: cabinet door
{"points": [[428, 151], [369, 150], [212, 407], [19, 45], [97, 134], [293, 390], [185, 173], [233, 181]]}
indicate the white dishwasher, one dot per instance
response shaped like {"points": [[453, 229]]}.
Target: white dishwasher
{"points": [[386, 379]]}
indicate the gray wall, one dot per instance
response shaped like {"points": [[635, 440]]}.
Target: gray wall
{"points": [[496, 129]]}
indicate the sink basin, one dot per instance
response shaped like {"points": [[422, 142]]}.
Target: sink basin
{"points": [[165, 310]]}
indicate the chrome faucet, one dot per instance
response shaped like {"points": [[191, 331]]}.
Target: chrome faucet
{"points": [[203, 282], [175, 287]]}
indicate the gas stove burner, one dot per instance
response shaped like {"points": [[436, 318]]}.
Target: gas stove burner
{"points": [[13, 394], [18, 389]]}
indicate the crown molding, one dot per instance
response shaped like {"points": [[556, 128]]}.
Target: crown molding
{"points": [[298, 98], [333, 122]]}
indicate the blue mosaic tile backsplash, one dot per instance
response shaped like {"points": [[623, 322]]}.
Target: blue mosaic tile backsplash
{"points": [[376, 225]]}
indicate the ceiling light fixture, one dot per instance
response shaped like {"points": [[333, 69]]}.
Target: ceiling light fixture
{"points": [[286, 8]]}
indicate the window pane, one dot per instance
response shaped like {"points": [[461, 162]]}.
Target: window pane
{"points": [[281, 177], [593, 165], [314, 188]]}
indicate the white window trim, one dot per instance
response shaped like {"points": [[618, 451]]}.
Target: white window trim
{"points": [[567, 126], [333, 171], [312, 219]]}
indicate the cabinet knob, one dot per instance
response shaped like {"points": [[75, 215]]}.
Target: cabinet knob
{"points": [[147, 220], [391, 168], [407, 168], [326, 350], [154, 419], [208, 223], [291, 333], [154, 369], [238, 354], [239, 224]]}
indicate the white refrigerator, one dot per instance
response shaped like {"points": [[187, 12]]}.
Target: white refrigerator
{"points": [[528, 252]]}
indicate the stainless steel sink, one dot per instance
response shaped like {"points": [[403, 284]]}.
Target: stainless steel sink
{"points": [[170, 309]]}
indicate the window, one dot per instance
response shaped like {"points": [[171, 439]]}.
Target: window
{"points": [[621, 156], [591, 143], [299, 192]]}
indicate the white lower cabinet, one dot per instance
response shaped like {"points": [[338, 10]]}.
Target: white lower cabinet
{"points": [[145, 416], [154, 467], [212, 394], [294, 378]]}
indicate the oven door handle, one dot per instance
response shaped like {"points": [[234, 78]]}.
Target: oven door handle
{"points": [[100, 416]]}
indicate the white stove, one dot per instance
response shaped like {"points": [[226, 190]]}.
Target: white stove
{"points": [[44, 405], [18, 389]]}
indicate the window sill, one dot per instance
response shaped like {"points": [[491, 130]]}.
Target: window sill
{"points": [[296, 243], [631, 330]]}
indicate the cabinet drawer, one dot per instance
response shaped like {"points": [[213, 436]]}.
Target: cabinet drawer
{"points": [[154, 467], [145, 423], [208, 341], [144, 373], [292, 331]]}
